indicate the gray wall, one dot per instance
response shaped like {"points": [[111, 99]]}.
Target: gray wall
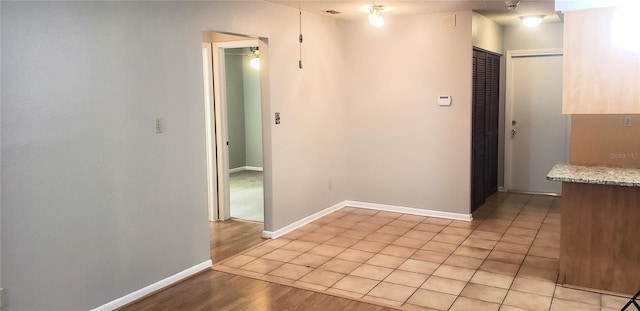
{"points": [[543, 36], [94, 204], [252, 113], [0, 154], [404, 149], [235, 107], [486, 34]]}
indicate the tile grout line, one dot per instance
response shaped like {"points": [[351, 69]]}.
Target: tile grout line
{"points": [[440, 263]]}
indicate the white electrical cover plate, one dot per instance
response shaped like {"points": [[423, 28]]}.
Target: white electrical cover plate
{"points": [[444, 100]]}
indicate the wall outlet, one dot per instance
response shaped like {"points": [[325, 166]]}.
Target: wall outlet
{"points": [[330, 185], [628, 120]]}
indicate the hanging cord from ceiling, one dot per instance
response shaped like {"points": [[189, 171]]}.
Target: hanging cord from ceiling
{"points": [[300, 39]]}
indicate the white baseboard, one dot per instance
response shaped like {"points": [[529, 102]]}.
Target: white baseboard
{"points": [[502, 189], [295, 225], [410, 210], [246, 168], [154, 287], [381, 207]]}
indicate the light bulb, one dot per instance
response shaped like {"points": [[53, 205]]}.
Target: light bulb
{"points": [[375, 16], [255, 63]]}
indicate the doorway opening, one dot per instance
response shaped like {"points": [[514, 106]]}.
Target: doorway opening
{"points": [[241, 100], [536, 131], [237, 173]]}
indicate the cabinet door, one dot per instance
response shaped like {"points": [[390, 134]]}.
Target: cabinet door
{"points": [[600, 77]]}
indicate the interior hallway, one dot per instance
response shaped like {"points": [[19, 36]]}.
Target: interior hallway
{"points": [[506, 259], [247, 195]]}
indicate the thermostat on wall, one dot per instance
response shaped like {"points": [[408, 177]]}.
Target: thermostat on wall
{"points": [[444, 100]]}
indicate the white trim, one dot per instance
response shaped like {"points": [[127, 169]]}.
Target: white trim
{"points": [[410, 210], [238, 44], [502, 189], [508, 167], [297, 224], [220, 129], [551, 194], [245, 168], [154, 287], [210, 143], [380, 207]]}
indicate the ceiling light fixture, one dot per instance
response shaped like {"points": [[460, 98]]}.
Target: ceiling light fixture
{"points": [[255, 61], [375, 15], [532, 20]]}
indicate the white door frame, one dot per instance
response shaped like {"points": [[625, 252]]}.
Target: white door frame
{"points": [[511, 54], [210, 145], [221, 129]]}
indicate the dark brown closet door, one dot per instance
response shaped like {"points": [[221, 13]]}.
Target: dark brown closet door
{"points": [[484, 123]]}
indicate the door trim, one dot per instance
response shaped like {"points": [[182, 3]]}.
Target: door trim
{"points": [[221, 129], [511, 54], [210, 145]]}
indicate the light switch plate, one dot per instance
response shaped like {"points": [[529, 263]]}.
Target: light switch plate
{"points": [[158, 125]]}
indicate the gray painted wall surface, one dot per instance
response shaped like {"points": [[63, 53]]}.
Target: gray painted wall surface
{"points": [[486, 33], [0, 153], [543, 36], [235, 107], [94, 204], [404, 149]]}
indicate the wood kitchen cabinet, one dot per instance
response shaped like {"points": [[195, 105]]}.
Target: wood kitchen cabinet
{"points": [[599, 77], [599, 237], [599, 247]]}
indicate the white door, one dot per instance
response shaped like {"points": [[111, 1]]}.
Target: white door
{"points": [[536, 129]]}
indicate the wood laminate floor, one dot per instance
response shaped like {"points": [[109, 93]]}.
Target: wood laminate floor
{"points": [[212, 290]]}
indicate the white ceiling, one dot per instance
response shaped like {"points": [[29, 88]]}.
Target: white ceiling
{"points": [[495, 10]]}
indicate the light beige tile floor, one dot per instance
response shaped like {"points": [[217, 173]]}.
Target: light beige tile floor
{"points": [[506, 259]]}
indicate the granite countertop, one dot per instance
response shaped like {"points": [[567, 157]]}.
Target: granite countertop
{"points": [[601, 175]]}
